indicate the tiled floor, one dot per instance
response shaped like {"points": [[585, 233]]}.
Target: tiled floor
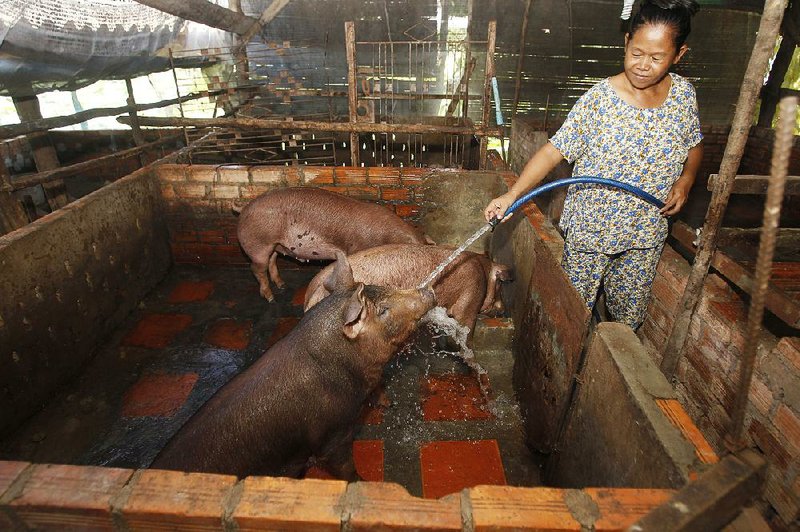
{"points": [[431, 427]]}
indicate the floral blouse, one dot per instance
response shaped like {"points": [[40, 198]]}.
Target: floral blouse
{"points": [[606, 137]]}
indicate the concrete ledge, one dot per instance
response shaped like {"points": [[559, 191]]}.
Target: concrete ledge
{"points": [[618, 433]]}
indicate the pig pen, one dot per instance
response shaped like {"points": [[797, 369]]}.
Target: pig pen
{"points": [[124, 311]]}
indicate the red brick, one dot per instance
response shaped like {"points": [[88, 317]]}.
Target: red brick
{"points": [[191, 291], [362, 193], [225, 191], [230, 334], [212, 236], [788, 426], [346, 175], [368, 457], [387, 506], [233, 174], [386, 175], [203, 173], [293, 175], [168, 191], [453, 398], [769, 444], [406, 211], [282, 328], [673, 410], [170, 172], [173, 499], [509, 508], [270, 175], [413, 175], [158, 394], [760, 396], [395, 194], [276, 503], [184, 236], [318, 175], [156, 331], [450, 466], [621, 507], [789, 349], [190, 190], [9, 471], [62, 497], [252, 191]]}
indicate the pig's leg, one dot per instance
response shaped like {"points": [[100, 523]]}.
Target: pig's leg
{"points": [[273, 270], [259, 267], [465, 311], [338, 456]]}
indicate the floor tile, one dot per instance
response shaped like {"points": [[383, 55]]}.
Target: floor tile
{"points": [[157, 394], [156, 331], [189, 291], [229, 334], [450, 466], [453, 397]]}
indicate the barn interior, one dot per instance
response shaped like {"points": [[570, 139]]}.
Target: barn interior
{"points": [[133, 131]]}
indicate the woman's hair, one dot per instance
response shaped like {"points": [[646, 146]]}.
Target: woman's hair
{"points": [[676, 14]]}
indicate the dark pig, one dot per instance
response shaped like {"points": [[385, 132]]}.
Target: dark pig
{"points": [[467, 286], [303, 396], [313, 224]]}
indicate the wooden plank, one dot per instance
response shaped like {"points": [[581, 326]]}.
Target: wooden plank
{"points": [[487, 90], [204, 12], [757, 184], [713, 500], [777, 301], [352, 96]]}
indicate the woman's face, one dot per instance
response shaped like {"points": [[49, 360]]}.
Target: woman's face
{"points": [[649, 53]]}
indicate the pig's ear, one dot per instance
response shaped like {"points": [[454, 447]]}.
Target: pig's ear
{"points": [[341, 278], [354, 313]]}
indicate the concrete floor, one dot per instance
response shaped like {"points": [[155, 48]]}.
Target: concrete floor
{"points": [[431, 428]]}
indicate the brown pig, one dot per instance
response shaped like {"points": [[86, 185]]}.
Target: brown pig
{"points": [[302, 397], [313, 224], [468, 285]]}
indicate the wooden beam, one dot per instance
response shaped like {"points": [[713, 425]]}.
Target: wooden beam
{"points": [[777, 301], [487, 90], [204, 12], [521, 58], [67, 171], [309, 125], [460, 93], [734, 149], [33, 124], [757, 184], [138, 138], [266, 17], [44, 154], [713, 500]]}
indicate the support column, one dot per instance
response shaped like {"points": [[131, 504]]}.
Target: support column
{"points": [[487, 89], [352, 95]]}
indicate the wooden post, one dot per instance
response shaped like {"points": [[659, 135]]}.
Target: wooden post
{"points": [[521, 57], [743, 118], [12, 215], [487, 90], [771, 92], [43, 152], [352, 95], [138, 138]]}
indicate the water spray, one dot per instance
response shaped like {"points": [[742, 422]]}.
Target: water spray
{"points": [[532, 194]]}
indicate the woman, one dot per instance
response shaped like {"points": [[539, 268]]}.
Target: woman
{"points": [[640, 127]]}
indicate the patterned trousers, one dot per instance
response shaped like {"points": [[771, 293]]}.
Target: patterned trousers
{"points": [[626, 278]]}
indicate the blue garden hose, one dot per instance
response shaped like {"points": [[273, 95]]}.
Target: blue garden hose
{"points": [[580, 180]]}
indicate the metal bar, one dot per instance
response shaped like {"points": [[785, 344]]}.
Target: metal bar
{"points": [[487, 91], [784, 137], [743, 118], [352, 96]]}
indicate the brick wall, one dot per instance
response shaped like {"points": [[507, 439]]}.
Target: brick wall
{"points": [[708, 376], [58, 497], [199, 200]]}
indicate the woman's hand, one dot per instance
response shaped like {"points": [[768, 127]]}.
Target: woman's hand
{"points": [[677, 196], [498, 207]]}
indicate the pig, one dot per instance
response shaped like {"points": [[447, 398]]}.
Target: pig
{"points": [[302, 397], [313, 224], [467, 286]]}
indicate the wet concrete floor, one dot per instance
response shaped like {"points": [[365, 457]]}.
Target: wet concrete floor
{"points": [[430, 428]]}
